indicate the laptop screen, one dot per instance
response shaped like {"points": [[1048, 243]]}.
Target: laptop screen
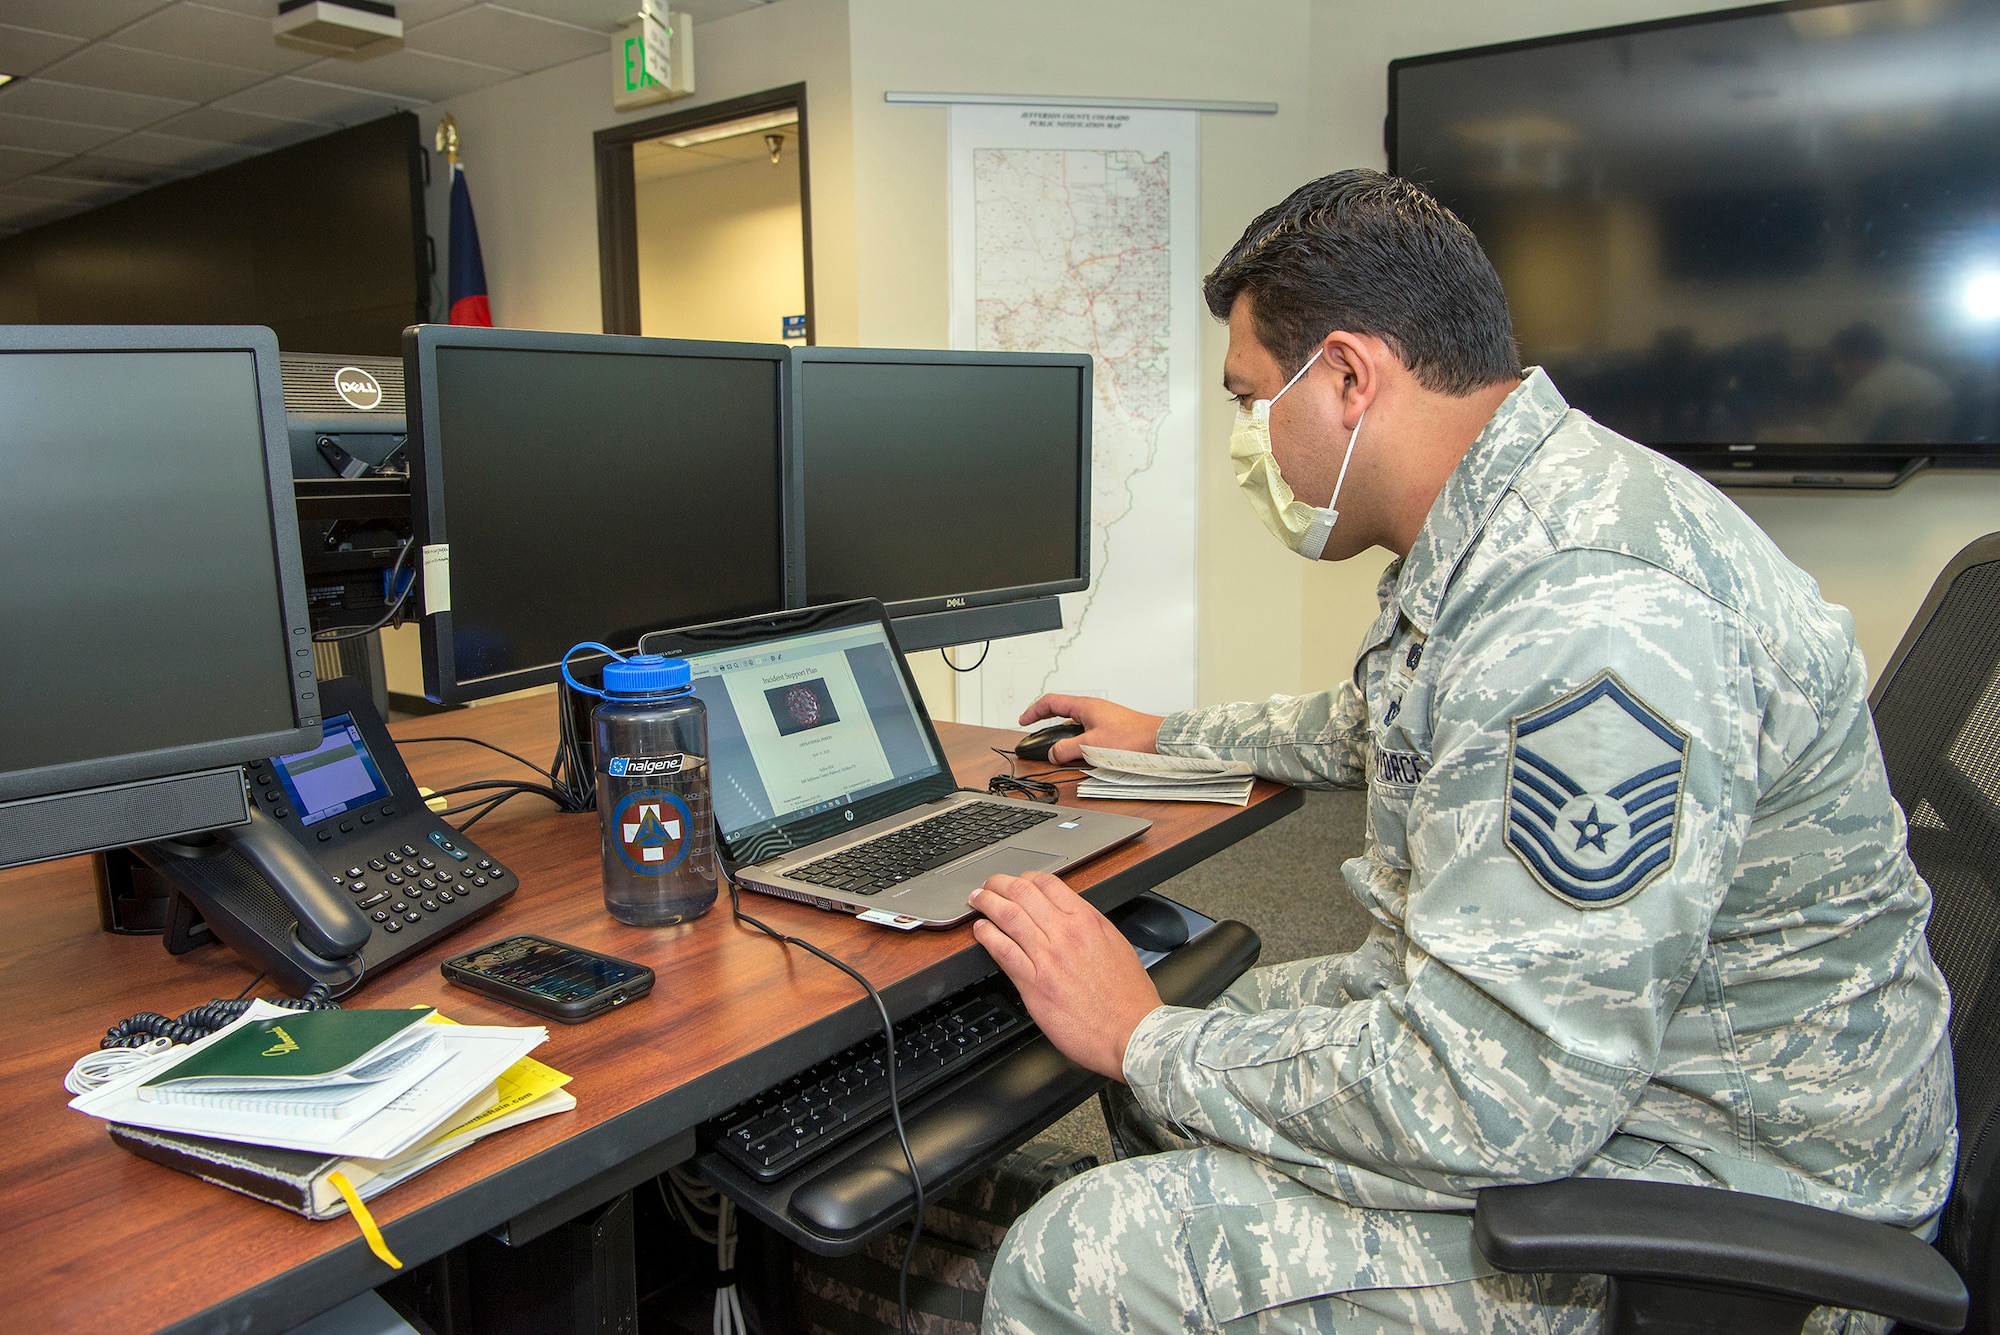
{"points": [[805, 724]]}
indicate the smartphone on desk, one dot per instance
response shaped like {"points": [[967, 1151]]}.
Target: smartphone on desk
{"points": [[566, 983]]}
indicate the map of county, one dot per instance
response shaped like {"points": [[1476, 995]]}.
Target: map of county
{"points": [[1072, 253]]}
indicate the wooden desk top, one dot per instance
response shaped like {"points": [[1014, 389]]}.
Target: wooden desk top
{"points": [[95, 1239]]}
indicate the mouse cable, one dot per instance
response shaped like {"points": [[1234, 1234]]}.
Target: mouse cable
{"points": [[1036, 787], [895, 1098], [945, 654], [395, 608]]}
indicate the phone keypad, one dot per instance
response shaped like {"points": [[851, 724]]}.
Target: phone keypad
{"points": [[429, 891]]}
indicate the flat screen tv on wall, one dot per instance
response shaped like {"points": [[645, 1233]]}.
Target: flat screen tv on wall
{"points": [[322, 241], [1765, 241]]}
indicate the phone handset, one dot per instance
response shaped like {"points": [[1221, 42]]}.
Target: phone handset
{"points": [[327, 925], [270, 903]]}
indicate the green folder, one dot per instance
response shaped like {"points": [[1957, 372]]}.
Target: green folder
{"points": [[300, 1049]]}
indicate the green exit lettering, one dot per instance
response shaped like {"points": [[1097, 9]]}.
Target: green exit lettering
{"points": [[635, 66]]}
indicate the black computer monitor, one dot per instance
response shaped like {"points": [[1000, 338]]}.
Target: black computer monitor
{"points": [[573, 487], [954, 487], [152, 611]]}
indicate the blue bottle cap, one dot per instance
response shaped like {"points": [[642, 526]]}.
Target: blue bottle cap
{"points": [[647, 674]]}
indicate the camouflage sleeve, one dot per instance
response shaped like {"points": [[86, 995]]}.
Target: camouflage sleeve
{"points": [[1314, 741], [1593, 768]]}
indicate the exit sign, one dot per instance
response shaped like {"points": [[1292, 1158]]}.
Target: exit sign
{"points": [[652, 59]]}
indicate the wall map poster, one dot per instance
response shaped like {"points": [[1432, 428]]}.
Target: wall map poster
{"points": [[1076, 230]]}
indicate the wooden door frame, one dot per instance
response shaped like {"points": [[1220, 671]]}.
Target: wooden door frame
{"points": [[617, 201]]}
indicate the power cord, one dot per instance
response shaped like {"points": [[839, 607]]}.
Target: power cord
{"points": [[395, 608], [985, 649], [402, 742], [895, 1098]]}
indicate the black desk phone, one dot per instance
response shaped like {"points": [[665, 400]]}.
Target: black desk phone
{"points": [[342, 869]]}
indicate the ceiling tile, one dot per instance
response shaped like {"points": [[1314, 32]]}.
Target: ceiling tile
{"points": [[52, 136], [306, 99], [240, 127], [413, 12], [76, 18], [66, 190], [501, 37], [22, 211], [86, 106], [24, 51], [21, 161], [91, 167], [412, 75], [201, 33], [172, 150], [701, 11], [106, 65], [601, 16]]}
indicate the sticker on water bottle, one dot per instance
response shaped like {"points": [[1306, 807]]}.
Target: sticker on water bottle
{"points": [[643, 767], [654, 829]]}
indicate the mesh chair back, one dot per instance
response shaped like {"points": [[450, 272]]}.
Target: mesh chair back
{"points": [[1937, 711]]}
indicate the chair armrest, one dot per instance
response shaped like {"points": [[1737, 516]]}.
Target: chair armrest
{"points": [[1706, 1236]]}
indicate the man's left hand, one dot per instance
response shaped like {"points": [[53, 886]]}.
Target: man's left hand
{"points": [[1080, 977]]}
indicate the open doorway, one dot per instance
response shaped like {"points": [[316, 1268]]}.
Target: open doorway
{"points": [[704, 222]]}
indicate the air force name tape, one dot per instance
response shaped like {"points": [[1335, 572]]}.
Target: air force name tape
{"points": [[1593, 793]]}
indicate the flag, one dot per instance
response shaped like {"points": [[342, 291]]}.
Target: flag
{"points": [[467, 295]]}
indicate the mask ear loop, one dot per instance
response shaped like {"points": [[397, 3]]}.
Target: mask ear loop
{"points": [[1333, 501], [1272, 401]]}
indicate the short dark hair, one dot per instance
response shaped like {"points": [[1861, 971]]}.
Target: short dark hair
{"points": [[1372, 254]]}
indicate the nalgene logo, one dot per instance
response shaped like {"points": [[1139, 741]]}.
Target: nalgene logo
{"points": [[643, 767], [358, 388]]}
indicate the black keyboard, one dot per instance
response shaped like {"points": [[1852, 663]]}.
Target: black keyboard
{"points": [[821, 1107], [871, 867]]}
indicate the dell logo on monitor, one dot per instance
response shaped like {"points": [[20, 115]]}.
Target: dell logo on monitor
{"points": [[358, 388], [954, 602]]}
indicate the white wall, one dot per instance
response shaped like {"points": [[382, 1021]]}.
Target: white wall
{"points": [[719, 253], [1269, 622]]}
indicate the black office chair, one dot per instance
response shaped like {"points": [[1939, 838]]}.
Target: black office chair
{"points": [[1697, 1259]]}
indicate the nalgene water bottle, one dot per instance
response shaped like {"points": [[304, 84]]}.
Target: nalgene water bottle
{"points": [[650, 747]]}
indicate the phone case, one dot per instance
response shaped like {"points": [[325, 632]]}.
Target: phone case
{"points": [[568, 1012]]}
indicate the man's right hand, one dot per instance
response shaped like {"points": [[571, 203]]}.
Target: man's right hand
{"points": [[1104, 724]]}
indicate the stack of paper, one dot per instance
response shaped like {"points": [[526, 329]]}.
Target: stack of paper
{"points": [[1143, 776], [373, 1098]]}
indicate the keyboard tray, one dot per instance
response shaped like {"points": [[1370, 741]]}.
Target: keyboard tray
{"points": [[836, 1204]]}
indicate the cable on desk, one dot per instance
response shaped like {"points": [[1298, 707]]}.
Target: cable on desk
{"points": [[985, 649], [500, 789], [395, 608], [895, 1098], [1036, 787], [402, 742]]}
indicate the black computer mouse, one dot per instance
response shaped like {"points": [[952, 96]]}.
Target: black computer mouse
{"points": [[1152, 924], [1035, 746]]}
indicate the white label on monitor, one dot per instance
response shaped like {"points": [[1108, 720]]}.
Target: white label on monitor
{"points": [[437, 578]]}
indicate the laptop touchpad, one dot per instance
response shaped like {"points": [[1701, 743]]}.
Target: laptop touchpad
{"points": [[1000, 862]]}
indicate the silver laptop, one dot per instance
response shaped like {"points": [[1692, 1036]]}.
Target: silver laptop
{"points": [[830, 786]]}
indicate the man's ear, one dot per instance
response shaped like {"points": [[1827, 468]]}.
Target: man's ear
{"points": [[1358, 360]]}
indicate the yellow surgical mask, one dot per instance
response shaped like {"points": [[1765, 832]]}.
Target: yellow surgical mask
{"points": [[1301, 527]]}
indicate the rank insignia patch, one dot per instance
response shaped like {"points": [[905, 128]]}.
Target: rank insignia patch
{"points": [[1593, 793]]}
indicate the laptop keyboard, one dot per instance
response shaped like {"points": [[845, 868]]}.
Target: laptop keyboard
{"points": [[872, 867], [830, 1103]]}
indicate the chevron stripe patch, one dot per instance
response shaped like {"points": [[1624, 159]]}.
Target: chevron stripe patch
{"points": [[1593, 793]]}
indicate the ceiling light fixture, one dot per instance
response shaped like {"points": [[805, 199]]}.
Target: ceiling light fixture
{"points": [[349, 29], [6, 79], [708, 134]]}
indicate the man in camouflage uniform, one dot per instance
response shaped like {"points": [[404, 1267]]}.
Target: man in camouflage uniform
{"points": [[1640, 897]]}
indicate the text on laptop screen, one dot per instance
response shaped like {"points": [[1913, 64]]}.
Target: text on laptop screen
{"points": [[805, 724]]}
